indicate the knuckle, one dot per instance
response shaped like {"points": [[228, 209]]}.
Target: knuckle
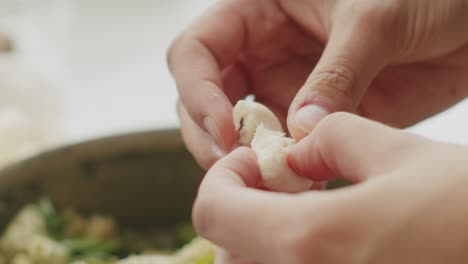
{"points": [[293, 243], [379, 13], [381, 19], [334, 232], [332, 237], [180, 109], [173, 50], [407, 143], [170, 52], [332, 124], [373, 10], [337, 83], [386, 21], [303, 241]]}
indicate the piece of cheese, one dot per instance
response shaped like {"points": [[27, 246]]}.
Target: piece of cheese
{"points": [[260, 129]]}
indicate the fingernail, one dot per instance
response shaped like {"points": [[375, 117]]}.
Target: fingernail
{"points": [[218, 152], [213, 131], [235, 146], [308, 116]]}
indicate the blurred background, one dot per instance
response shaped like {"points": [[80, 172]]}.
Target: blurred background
{"points": [[83, 69]]}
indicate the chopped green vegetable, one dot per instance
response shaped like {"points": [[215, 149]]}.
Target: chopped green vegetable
{"points": [[55, 222], [81, 237], [206, 260], [185, 234], [95, 261], [339, 183], [91, 248]]}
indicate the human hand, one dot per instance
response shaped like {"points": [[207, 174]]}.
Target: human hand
{"points": [[395, 61], [409, 205]]}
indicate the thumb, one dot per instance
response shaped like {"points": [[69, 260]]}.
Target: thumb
{"points": [[352, 58], [351, 147]]}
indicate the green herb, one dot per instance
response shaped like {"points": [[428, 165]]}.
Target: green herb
{"points": [[185, 234], [54, 221], [92, 260], [339, 183], [91, 250]]}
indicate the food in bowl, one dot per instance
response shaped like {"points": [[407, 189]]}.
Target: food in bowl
{"points": [[42, 234]]}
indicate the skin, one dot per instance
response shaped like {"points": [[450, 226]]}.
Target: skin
{"points": [[399, 211], [397, 62]]}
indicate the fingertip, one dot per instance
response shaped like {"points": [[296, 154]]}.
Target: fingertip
{"points": [[308, 116], [198, 143], [241, 154], [304, 117], [306, 160], [243, 162], [244, 152], [218, 152], [294, 130], [212, 128], [218, 122]]}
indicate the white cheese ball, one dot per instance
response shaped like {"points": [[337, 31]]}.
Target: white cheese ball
{"points": [[271, 148]]}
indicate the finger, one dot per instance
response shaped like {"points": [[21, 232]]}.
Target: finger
{"points": [[235, 82], [353, 56], [229, 214], [391, 99], [351, 147], [196, 60], [224, 257], [319, 186], [198, 142]]}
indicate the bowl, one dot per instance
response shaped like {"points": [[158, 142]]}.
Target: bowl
{"points": [[141, 178]]}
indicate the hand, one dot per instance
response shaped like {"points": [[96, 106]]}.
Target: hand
{"points": [[409, 205], [395, 61]]}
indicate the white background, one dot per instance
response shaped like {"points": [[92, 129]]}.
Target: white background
{"points": [[107, 58]]}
